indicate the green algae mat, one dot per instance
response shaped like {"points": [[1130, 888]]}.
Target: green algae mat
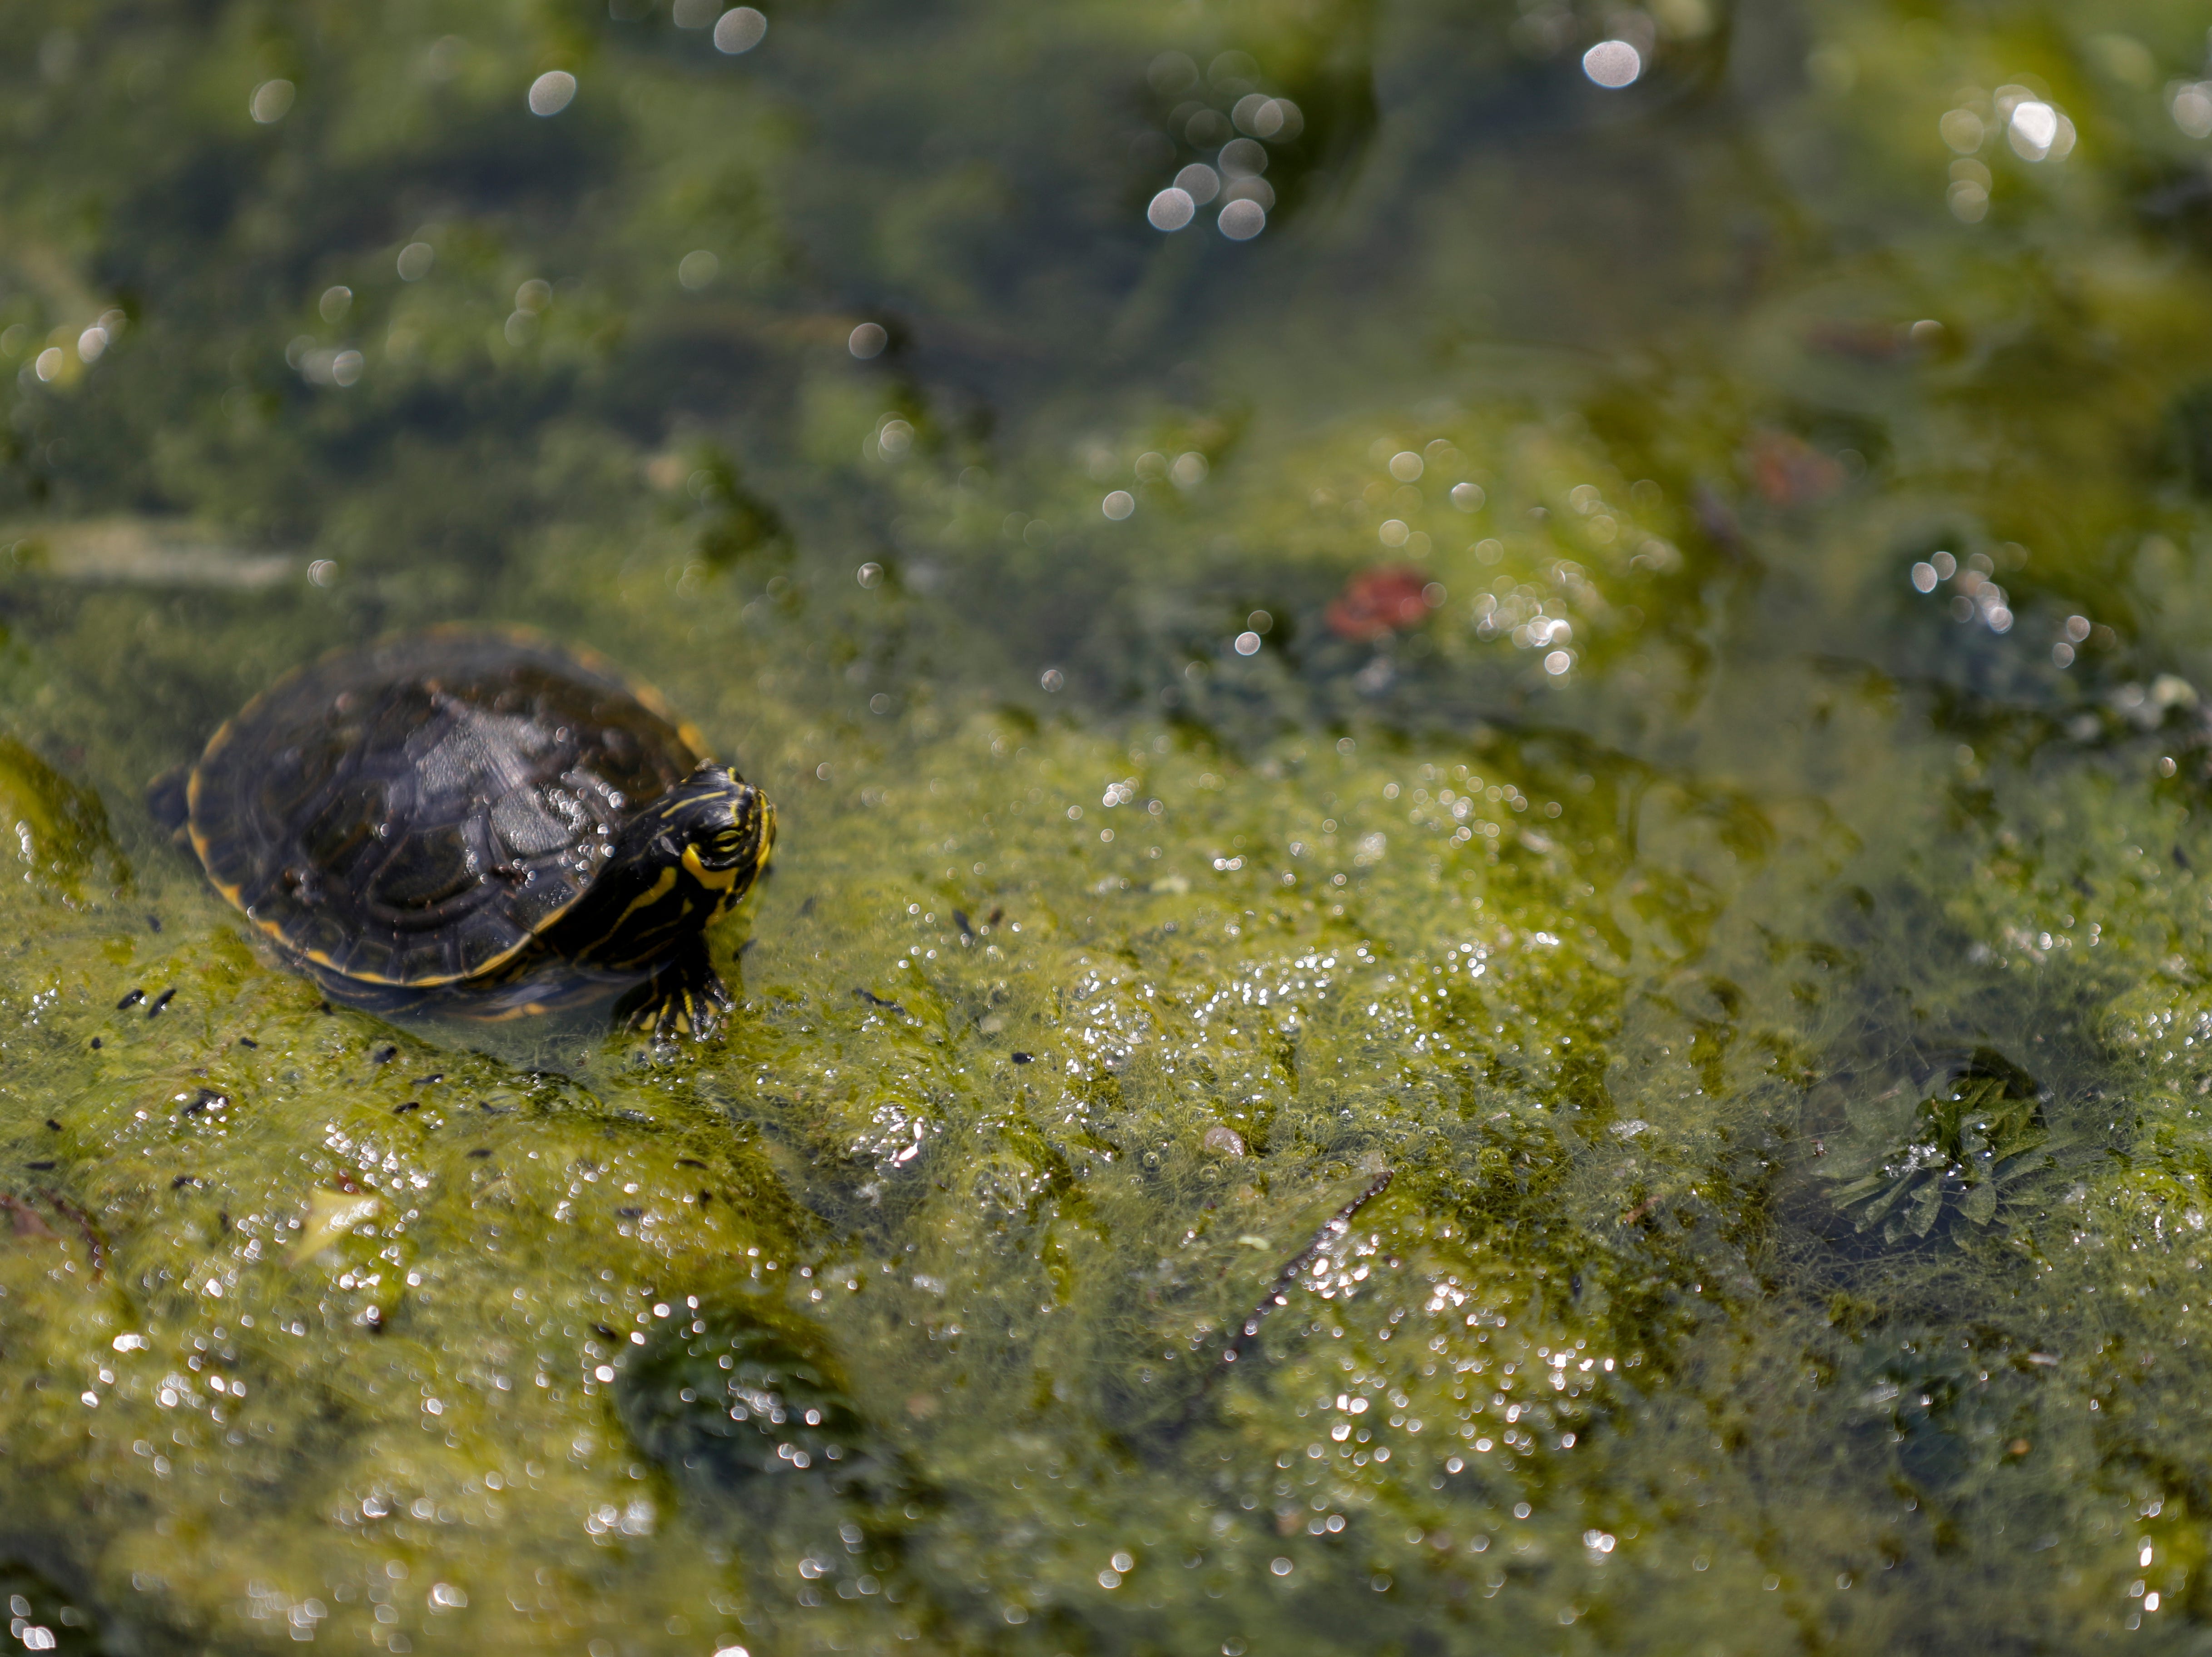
{"points": [[1493, 726]]}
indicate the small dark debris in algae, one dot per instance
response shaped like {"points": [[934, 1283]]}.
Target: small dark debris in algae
{"points": [[383, 1056], [877, 1001], [130, 1000], [161, 1002], [55, 1126], [994, 918], [630, 1214], [183, 1181], [1020, 1059], [411, 1105], [206, 1097], [97, 1042], [603, 1332], [154, 923], [428, 1081], [967, 927], [248, 1041], [481, 1150], [705, 1197], [688, 1162], [41, 1166]]}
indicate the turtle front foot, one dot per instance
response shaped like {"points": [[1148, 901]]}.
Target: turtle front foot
{"points": [[686, 999]]}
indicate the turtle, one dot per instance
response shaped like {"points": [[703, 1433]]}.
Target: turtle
{"points": [[484, 823]]}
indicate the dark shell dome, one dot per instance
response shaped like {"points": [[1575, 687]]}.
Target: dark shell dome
{"points": [[415, 812]]}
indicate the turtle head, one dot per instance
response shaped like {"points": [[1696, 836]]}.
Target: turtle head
{"points": [[720, 829], [678, 863]]}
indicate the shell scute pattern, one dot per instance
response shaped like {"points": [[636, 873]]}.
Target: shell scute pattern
{"points": [[416, 813]]}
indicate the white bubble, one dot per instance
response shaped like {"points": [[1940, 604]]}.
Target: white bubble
{"points": [[1405, 466], [1118, 505], [1613, 64], [269, 102], [346, 367], [48, 364], [1923, 577], [1240, 221], [91, 343], [739, 29], [1248, 644], [2061, 655], [415, 260], [1171, 209], [867, 340], [869, 575], [552, 92], [697, 268], [1557, 662], [1051, 678], [1199, 182], [1468, 497], [2034, 129]]}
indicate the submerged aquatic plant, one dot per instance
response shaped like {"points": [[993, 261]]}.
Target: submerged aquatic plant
{"points": [[1972, 1141]]}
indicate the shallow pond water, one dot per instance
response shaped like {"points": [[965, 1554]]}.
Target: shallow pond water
{"points": [[1537, 760]]}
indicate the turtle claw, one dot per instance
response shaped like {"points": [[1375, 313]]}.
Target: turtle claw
{"points": [[686, 1000]]}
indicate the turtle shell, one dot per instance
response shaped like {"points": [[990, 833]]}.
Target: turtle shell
{"points": [[417, 812]]}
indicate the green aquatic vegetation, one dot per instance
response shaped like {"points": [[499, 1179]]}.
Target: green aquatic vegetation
{"points": [[1505, 744], [1968, 1146]]}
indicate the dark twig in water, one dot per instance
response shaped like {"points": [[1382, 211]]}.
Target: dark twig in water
{"points": [[95, 1245], [1279, 1294]]}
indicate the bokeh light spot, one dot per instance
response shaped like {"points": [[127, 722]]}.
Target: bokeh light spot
{"points": [[698, 269], [867, 340], [552, 92], [1199, 182], [1240, 221], [271, 100], [1248, 644], [1243, 158], [738, 30], [1171, 209], [1118, 505], [2034, 129], [1405, 466], [1613, 64], [1468, 497], [415, 260]]}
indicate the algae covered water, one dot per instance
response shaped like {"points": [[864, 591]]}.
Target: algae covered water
{"points": [[1506, 706]]}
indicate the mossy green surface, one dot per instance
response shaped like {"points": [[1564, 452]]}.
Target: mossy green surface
{"points": [[1773, 979]]}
